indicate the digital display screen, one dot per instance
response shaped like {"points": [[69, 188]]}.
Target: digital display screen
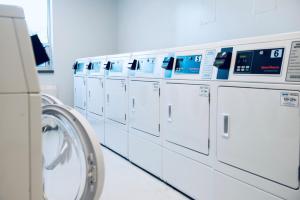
{"points": [[188, 64], [146, 65], [261, 61]]}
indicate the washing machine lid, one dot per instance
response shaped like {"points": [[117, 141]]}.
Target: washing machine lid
{"points": [[48, 99], [73, 166]]}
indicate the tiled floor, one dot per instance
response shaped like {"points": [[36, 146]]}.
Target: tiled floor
{"points": [[125, 181]]}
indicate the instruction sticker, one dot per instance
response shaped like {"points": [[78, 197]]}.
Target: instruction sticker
{"points": [[204, 91], [293, 72], [155, 86], [289, 99]]}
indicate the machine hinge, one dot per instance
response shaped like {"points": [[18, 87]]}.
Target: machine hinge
{"points": [[158, 127]]}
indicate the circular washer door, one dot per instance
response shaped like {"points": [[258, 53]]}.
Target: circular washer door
{"points": [[73, 161], [49, 99]]}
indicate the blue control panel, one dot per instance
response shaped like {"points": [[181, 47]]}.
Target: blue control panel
{"points": [[116, 66], [96, 67], [188, 64], [80, 67], [146, 65]]}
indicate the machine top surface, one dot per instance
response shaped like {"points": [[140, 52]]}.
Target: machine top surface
{"points": [[11, 11]]}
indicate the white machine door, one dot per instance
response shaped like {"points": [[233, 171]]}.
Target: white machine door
{"points": [[95, 96], [116, 100], [73, 162], [258, 131], [144, 106], [188, 116], [79, 92]]}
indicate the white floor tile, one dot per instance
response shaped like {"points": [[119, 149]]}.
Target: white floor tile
{"points": [[125, 181]]}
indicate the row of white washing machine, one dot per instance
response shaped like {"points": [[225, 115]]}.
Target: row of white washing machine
{"points": [[217, 121]]}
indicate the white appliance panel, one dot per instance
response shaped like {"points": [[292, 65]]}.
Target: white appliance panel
{"points": [[95, 96], [144, 106], [188, 116], [116, 100], [258, 131], [97, 122], [79, 92]]}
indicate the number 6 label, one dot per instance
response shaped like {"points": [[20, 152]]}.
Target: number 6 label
{"points": [[276, 53]]}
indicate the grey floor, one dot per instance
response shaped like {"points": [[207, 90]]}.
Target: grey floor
{"points": [[125, 181]]}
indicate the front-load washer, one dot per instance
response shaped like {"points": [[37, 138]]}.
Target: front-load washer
{"points": [[46, 153]]}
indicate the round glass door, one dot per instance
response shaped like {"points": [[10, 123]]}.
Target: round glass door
{"points": [[73, 162]]}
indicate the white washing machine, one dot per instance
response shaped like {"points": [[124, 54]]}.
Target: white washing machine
{"points": [[95, 96], [53, 155], [257, 119], [116, 103], [145, 143], [80, 95], [185, 122]]}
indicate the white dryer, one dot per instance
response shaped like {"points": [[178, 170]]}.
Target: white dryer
{"points": [[145, 143], [53, 155], [257, 120], [185, 118], [80, 95], [95, 95], [116, 103]]}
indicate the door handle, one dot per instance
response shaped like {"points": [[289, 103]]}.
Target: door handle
{"points": [[107, 98], [89, 94], [169, 113], [225, 127], [133, 104]]}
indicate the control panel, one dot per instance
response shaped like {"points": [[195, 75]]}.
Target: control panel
{"points": [[189, 64], [259, 61], [80, 66], [146, 65], [117, 65], [151, 64], [167, 66]]}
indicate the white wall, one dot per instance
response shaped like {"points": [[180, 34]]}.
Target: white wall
{"points": [[81, 28], [150, 24]]}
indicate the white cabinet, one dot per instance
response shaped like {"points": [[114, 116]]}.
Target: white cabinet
{"points": [[187, 122], [79, 92], [258, 131], [144, 106], [95, 95], [116, 100]]}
